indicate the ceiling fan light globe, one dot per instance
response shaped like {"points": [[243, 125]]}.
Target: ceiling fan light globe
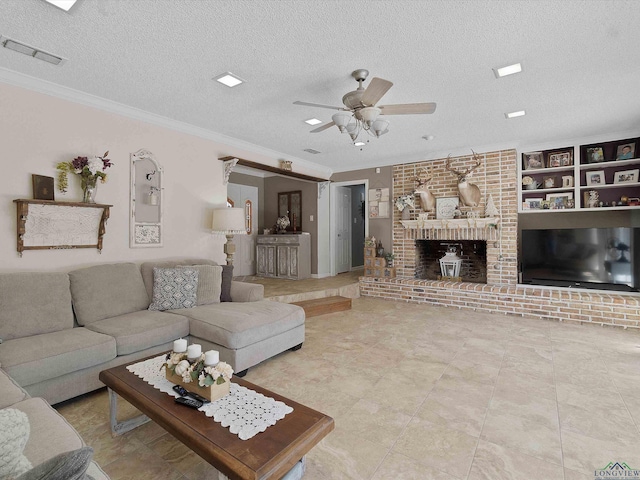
{"points": [[379, 127], [369, 115], [341, 120]]}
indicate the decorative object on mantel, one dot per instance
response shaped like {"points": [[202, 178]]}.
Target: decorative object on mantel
{"points": [[405, 203], [445, 207], [469, 193], [90, 171], [427, 199], [490, 209], [282, 223], [286, 165], [450, 266], [46, 225], [203, 374]]}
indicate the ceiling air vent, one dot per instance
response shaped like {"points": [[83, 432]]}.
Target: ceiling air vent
{"points": [[30, 51], [311, 150]]}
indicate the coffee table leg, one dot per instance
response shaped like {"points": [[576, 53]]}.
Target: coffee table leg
{"points": [[296, 473], [125, 426]]}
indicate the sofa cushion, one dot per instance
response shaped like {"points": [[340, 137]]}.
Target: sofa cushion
{"points": [[174, 288], [237, 325], [14, 434], [10, 391], [138, 331], [64, 466], [147, 269], [209, 283], [37, 358], [50, 432], [34, 303], [227, 278], [109, 290]]}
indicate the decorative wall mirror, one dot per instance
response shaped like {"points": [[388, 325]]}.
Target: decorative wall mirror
{"points": [[147, 200], [290, 205]]}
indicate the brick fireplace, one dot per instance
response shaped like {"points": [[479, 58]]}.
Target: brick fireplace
{"points": [[497, 176]]}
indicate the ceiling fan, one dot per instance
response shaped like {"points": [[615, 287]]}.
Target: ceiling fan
{"points": [[360, 112]]}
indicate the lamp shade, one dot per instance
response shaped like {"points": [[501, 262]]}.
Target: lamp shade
{"points": [[341, 120], [229, 220], [369, 115]]}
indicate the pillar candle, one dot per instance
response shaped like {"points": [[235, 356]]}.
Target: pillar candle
{"points": [[180, 345], [194, 351], [211, 358]]}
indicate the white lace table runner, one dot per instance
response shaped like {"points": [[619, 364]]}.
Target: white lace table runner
{"points": [[244, 411]]}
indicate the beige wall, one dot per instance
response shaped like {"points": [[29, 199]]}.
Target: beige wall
{"points": [[40, 130], [381, 228], [275, 185]]}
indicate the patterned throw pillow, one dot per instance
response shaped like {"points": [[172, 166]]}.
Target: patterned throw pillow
{"points": [[66, 466], [174, 288], [14, 434]]}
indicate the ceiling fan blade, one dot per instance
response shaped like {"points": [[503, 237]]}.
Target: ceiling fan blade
{"points": [[317, 105], [407, 108], [323, 127], [375, 91]]}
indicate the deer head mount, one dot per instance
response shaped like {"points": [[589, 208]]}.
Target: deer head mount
{"points": [[468, 192], [427, 199]]}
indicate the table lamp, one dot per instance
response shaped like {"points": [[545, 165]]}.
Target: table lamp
{"points": [[230, 222]]}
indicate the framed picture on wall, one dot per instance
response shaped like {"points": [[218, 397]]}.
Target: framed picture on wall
{"points": [[559, 200], [42, 187], [560, 159], [532, 203], [595, 155]]}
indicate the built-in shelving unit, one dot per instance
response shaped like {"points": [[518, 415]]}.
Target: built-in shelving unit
{"points": [[581, 178]]}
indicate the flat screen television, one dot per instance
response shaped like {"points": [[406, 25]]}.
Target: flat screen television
{"points": [[599, 258]]}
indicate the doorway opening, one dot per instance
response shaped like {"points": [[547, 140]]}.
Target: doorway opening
{"points": [[349, 225]]}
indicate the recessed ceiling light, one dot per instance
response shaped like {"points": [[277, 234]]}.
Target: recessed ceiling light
{"points": [[30, 51], [428, 137], [229, 79], [508, 70], [63, 4], [519, 113], [313, 121], [359, 144]]}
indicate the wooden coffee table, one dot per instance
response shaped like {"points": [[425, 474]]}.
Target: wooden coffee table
{"points": [[270, 454]]}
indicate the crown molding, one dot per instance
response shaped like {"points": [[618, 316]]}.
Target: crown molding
{"points": [[17, 79]]}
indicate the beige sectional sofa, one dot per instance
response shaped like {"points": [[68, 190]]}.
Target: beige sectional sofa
{"points": [[56, 354], [50, 434]]}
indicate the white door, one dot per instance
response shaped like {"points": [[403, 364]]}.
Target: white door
{"points": [[244, 260], [343, 229]]}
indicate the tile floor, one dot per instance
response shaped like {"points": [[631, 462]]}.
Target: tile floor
{"points": [[421, 392]]}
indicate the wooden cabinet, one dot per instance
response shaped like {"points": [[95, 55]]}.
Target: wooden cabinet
{"points": [[583, 178], [284, 256], [46, 224]]}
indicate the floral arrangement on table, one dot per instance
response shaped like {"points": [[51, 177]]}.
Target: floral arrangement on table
{"points": [[90, 171], [282, 223], [404, 201], [206, 376]]}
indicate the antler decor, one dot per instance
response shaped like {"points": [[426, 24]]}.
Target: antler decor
{"points": [[427, 199], [468, 192]]}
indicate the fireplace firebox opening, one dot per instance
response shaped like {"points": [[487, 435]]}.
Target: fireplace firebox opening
{"points": [[472, 252]]}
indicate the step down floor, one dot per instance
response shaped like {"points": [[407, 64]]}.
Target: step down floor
{"points": [[322, 306]]}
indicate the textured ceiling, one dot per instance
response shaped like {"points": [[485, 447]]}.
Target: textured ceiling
{"points": [[580, 60]]}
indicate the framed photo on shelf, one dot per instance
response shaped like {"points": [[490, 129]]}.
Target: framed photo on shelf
{"points": [[560, 159], [532, 204], [549, 182], [595, 155], [626, 151], [595, 178], [42, 187], [560, 200], [532, 160], [626, 176], [445, 207]]}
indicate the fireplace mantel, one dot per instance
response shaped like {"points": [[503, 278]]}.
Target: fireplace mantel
{"points": [[453, 229]]}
